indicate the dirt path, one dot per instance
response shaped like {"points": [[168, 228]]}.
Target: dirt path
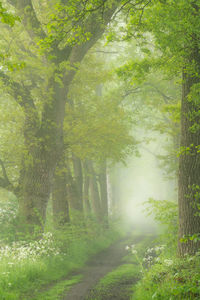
{"points": [[98, 267]]}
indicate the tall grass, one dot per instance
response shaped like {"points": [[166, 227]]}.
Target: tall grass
{"points": [[167, 276], [27, 265]]}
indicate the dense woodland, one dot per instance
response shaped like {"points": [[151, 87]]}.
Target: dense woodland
{"points": [[81, 81]]}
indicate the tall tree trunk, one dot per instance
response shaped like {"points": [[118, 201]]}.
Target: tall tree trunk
{"points": [[103, 191], [78, 179], [73, 195], [43, 140], [35, 191], [60, 195], [43, 146], [189, 162], [86, 201], [94, 191], [115, 190]]}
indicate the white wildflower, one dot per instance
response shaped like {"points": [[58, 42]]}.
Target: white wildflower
{"points": [[150, 250], [144, 259], [157, 259], [168, 262]]}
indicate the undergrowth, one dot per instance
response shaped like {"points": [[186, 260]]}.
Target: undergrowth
{"points": [[28, 267], [167, 276]]}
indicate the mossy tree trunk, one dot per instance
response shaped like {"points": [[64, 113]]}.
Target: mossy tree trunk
{"points": [[43, 144], [43, 135]]}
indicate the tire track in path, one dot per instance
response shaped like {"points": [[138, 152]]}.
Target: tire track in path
{"points": [[99, 266]]}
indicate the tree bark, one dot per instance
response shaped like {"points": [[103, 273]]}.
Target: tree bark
{"points": [[189, 161], [94, 192], [60, 195], [86, 201], [115, 191], [78, 180], [104, 191], [43, 144], [43, 138], [73, 196]]}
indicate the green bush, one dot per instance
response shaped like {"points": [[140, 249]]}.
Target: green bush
{"points": [[168, 277], [165, 214], [171, 279]]}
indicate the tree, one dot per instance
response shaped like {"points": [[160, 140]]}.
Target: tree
{"points": [[173, 28], [97, 133], [64, 44]]}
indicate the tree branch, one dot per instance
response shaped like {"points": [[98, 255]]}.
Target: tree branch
{"points": [[4, 181], [128, 2], [165, 97], [29, 18], [19, 92]]}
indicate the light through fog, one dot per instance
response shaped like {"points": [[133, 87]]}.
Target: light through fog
{"points": [[142, 178]]}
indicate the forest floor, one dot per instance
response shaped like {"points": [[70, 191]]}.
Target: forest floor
{"points": [[108, 276]]}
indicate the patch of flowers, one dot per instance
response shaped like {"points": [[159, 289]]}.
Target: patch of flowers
{"points": [[168, 262], [133, 251], [8, 211], [20, 251], [151, 256]]}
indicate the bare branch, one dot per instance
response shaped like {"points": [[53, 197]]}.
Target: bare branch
{"points": [[126, 4], [106, 52], [165, 97], [132, 91]]}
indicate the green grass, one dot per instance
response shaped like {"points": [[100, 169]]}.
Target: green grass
{"points": [[117, 283], [171, 278], [178, 281], [25, 278], [58, 289]]}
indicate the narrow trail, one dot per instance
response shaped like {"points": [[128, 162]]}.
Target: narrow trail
{"points": [[98, 267]]}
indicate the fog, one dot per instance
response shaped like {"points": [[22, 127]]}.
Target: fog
{"points": [[140, 179]]}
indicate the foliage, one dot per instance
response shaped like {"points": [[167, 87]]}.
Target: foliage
{"points": [[67, 24], [163, 23], [171, 278], [166, 214], [8, 216], [167, 276], [27, 266], [155, 98], [6, 17], [101, 129]]}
